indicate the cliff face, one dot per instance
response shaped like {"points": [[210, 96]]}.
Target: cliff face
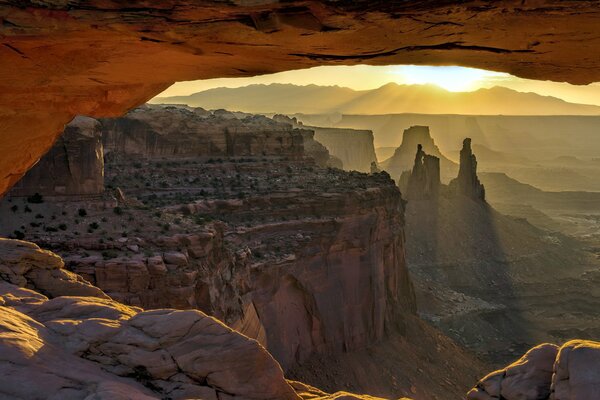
{"points": [[327, 274], [155, 131], [403, 158], [74, 165], [352, 146], [88, 345], [306, 259]]}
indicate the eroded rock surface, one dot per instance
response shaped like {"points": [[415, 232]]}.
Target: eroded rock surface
{"points": [[82, 347], [467, 183], [403, 158], [423, 181], [570, 372]]}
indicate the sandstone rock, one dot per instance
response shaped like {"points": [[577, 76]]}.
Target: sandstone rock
{"points": [[175, 258], [353, 147], [130, 63], [538, 373], [404, 156], [467, 183], [162, 131], [77, 347], [25, 264], [423, 182], [576, 371]]}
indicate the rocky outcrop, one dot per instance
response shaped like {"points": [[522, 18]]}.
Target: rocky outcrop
{"points": [[322, 271], [546, 372], [423, 181], [467, 183], [24, 264], [139, 52], [157, 131], [403, 158], [74, 165], [85, 346]]}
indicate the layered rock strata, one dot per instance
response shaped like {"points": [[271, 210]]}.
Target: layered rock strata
{"points": [[157, 131], [321, 244], [88, 345]]}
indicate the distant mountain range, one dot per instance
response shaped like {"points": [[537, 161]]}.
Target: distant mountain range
{"points": [[388, 99]]}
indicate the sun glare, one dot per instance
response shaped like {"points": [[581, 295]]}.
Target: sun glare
{"points": [[454, 79]]}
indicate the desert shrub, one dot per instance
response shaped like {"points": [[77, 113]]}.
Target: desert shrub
{"points": [[118, 210], [39, 216], [27, 209], [62, 227], [18, 235], [36, 198], [108, 254], [14, 208], [94, 225], [82, 212]]}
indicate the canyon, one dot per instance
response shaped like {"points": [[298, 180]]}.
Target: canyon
{"points": [[104, 58], [243, 224]]}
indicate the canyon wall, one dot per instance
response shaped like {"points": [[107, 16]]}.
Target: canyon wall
{"points": [[87, 345], [156, 131], [329, 276], [354, 147], [304, 258]]}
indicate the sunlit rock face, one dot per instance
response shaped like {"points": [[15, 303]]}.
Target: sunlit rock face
{"points": [[328, 274], [569, 372], [62, 59], [74, 165]]}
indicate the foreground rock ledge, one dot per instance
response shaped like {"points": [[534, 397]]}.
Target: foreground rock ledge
{"points": [[101, 58], [571, 372], [90, 346]]}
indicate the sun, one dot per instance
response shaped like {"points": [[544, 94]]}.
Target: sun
{"points": [[454, 79]]}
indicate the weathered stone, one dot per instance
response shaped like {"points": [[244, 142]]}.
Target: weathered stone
{"points": [[467, 183], [423, 182], [404, 156]]}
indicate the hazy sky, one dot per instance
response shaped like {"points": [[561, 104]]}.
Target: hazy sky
{"points": [[361, 77]]}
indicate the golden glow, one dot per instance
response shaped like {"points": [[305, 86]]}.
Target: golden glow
{"points": [[365, 77], [453, 79]]}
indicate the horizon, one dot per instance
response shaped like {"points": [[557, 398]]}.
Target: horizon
{"points": [[362, 78]]}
